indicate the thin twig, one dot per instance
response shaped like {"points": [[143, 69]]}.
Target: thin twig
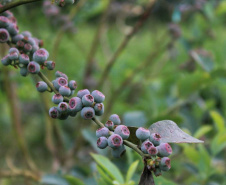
{"points": [[124, 43]]}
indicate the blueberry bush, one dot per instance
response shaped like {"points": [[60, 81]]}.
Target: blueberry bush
{"points": [[145, 146]]}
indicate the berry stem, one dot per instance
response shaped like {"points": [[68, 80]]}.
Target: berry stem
{"points": [[15, 4]]}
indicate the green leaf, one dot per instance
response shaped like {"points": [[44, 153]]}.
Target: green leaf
{"points": [[73, 180], [202, 131], [218, 120], [53, 180], [131, 171], [104, 175], [218, 143], [109, 167]]}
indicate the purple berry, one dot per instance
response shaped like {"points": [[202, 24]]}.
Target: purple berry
{"points": [[115, 119], [123, 131], [82, 92], [14, 50], [27, 47], [13, 56], [102, 142], [99, 109], [142, 133], [155, 138], [33, 67], [57, 98], [26, 34], [4, 22], [20, 44], [146, 145], [40, 56], [72, 84], [109, 124], [24, 71], [60, 74], [17, 38], [87, 113], [24, 59], [103, 131], [62, 107], [41, 86], [115, 141], [118, 152], [53, 112], [65, 91], [152, 151], [98, 96], [50, 65], [6, 61], [4, 35], [87, 100], [60, 82], [13, 29], [164, 150], [75, 104], [165, 164]]}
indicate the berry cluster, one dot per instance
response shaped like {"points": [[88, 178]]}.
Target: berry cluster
{"points": [[157, 150], [113, 139], [56, 18]]}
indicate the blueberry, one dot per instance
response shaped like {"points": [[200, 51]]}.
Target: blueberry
{"points": [[145, 146], [109, 124], [20, 44], [165, 164], [82, 92], [155, 138], [26, 34], [123, 131], [34, 48], [72, 84], [4, 35], [50, 65], [157, 172], [12, 29], [27, 47], [99, 109], [98, 96], [152, 151], [41, 86], [24, 59], [31, 41], [6, 61], [115, 118], [87, 113], [118, 152], [75, 104], [53, 112], [60, 82], [142, 133], [65, 91], [103, 131], [60, 74], [33, 67], [63, 116], [57, 98], [24, 71], [164, 150], [17, 38], [13, 50], [72, 113], [40, 56], [62, 107], [13, 56], [115, 141], [4, 22], [102, 142], [87, 100]]}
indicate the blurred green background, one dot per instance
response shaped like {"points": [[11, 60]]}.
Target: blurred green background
{"points": [[184, 80]]}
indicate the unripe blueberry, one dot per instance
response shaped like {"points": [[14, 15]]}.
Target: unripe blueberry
{"points": [[53, 112], [165, 164], [26, 34], [157, 172], [87, 113], [115, 118], [102, 142], [152, 151], [115, 141], [65, 91], [60, 74], [82, 92], [27, 47], [72, 84], [103, 131], [4, 35], [41, 86], [50, 65], [142, 133], [34, 48], [98, 96], [60, 82], [62, 107], [13, 56], [33, 67], [24, 71], [13, 29], [24, 59], [75, 104], [87, 100], [109, 124], [99, 109], [123, 131], [4, 22], [40, 56], [145, 146], [155, 138], [57, 98], [164, 150], [17, 38], [118, 152], [31, 41], [6, 61], [14, 50], [20, 44]]}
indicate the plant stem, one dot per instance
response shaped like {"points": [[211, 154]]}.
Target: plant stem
{"points": [[15, 4]]}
